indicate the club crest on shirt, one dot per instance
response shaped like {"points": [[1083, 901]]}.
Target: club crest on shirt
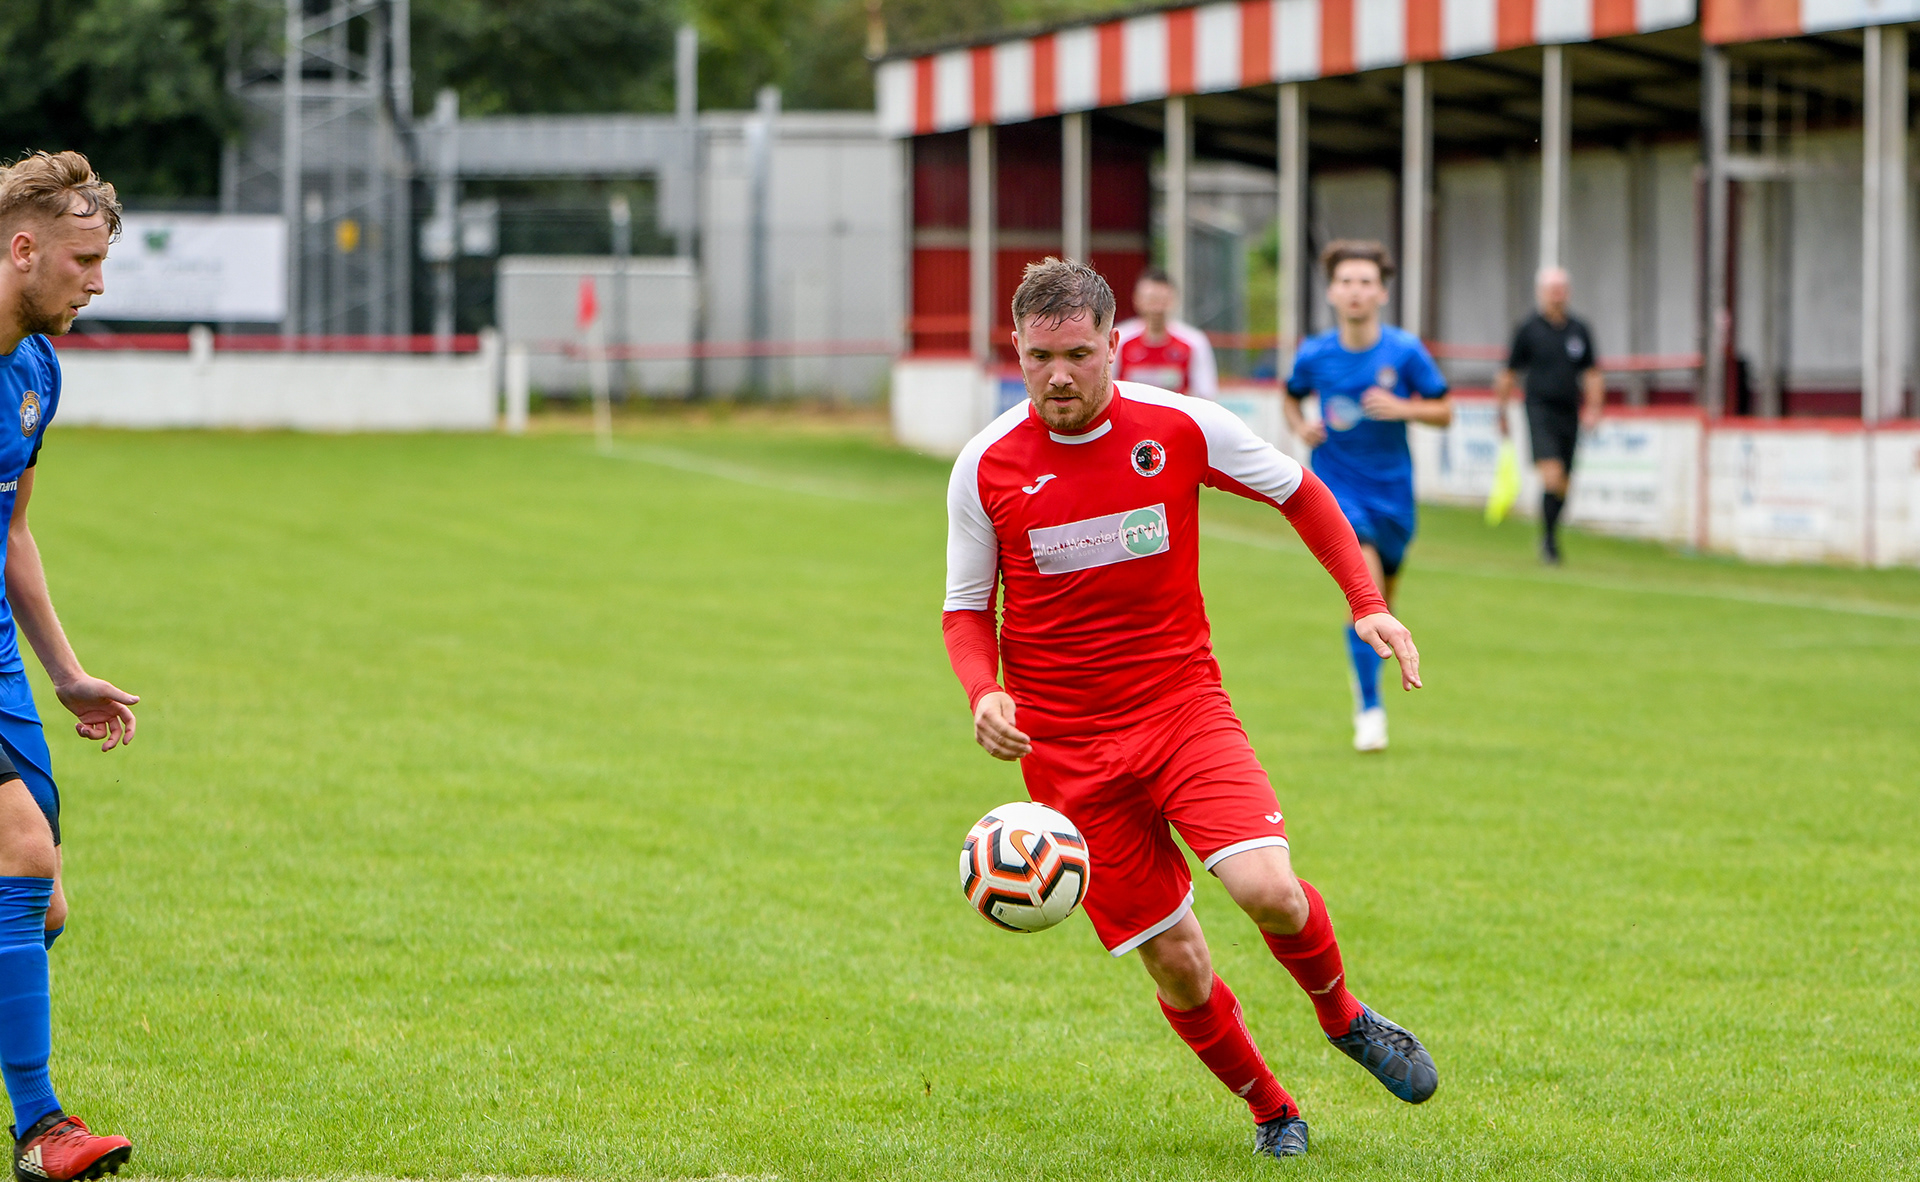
{"points": [[29, 413], [1387, 378], [1149, 457], [1576, 347]]}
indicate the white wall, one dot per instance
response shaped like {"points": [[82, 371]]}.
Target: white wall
{"points": [[538, 304], [1486, 247], [301, 391], [837, 240], [1772, 492]]}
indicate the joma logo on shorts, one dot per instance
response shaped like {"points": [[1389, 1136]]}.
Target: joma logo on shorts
{"points": [[1100, 541]]}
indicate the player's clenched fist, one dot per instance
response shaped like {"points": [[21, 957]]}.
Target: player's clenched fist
{"points": [[993, 727]]}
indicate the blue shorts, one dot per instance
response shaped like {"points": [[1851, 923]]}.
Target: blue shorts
{"points": [[24, 743], [1386, 525]]}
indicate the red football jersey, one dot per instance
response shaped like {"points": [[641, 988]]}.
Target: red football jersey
{"points": [[1182, 363], [1095, 538]]}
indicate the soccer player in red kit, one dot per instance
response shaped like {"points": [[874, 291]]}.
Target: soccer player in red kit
{"points": [[1157, 350], [1083, 504]]}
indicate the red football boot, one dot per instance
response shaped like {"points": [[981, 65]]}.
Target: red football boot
{"points": [[59, 1148]]}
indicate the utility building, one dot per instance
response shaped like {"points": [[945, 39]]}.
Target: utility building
{"points": [[1727, 181]]}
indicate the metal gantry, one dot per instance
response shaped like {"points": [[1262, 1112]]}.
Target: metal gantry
{"points": [[340, 92]]}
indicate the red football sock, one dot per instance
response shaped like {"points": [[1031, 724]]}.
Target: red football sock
{"points": [[1312, 955], [1218, 1034]]}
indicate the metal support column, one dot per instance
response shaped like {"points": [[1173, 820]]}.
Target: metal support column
{"points": [[399, 243], [981, 218], [1556, 132], [291, 206], [620, 221], [443, 239], [761, 133], [1416, 198], [686, 116], [1179, 166], [686, 112], [1076, 170], [1716, 319], [1883, 265], [1291, 225], [1643, 264]]}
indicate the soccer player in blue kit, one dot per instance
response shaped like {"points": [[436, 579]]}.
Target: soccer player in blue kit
{"points": [[56, 221], [1373, 379]]}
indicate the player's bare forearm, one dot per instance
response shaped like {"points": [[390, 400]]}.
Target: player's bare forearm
{"points": [[1302, 428], [103, 710], [1384, 404], [33, 606], [1596, 394], [1434, 412], [1502, 394]]}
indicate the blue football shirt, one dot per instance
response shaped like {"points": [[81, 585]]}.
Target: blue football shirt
{"points": [[1366, 455], [29, 392]]}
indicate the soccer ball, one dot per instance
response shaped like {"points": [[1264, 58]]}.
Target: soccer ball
{"points": [[1024, 867]]}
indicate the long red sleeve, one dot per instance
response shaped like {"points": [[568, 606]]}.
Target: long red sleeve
{"points": [[1316, 517], [974, 648]]}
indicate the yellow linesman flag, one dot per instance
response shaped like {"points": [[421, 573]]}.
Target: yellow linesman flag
{"points": [[1506, 484]]}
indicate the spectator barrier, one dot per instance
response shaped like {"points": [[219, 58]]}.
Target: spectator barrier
{"points": [[1769, 490]]}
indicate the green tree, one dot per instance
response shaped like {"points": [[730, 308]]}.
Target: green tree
{"points": [[138, 85], [555, 56]]}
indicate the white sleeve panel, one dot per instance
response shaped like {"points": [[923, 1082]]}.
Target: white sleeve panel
{"points": [[1233, 450], [973, 549], [1203, 375]]}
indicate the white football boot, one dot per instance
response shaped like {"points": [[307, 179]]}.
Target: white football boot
{"points": [[1370, 730]]}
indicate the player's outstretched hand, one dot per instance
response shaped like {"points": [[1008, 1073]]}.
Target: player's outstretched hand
{"points": [[105, 711], [993, 726], [1390, 638]]}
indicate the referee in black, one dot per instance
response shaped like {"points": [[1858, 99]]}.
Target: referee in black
{"points": [[1565, 392]]}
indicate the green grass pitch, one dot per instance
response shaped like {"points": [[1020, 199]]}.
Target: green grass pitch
{"points": [[504, 808]]}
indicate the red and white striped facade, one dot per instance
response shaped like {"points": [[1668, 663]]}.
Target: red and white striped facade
{"points": [[1726, 21], [1230, 45]]}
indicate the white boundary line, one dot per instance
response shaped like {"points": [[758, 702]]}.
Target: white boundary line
{"points": [[683, 461]]}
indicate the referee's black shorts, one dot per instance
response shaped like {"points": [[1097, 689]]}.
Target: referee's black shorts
{"points": [[1554, 431]]}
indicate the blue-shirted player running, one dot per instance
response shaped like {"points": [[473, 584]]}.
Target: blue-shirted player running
{"points": [[1372, 379], [56, 221]]}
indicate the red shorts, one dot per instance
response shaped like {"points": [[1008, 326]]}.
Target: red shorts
{"points": [[1190, 767]]}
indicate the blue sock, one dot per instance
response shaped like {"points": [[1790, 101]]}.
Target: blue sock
{"points": [[26, 1015], [54, 934], [1366, 669]]}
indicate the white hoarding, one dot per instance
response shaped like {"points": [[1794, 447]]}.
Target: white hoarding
{"points": [[196, 266]]}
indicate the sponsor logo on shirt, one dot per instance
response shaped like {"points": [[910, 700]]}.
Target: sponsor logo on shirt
{"points": [[29, 413], [1342, 413], [10, 486], [1100, 541], [1166, 377], [1149, 457]]}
